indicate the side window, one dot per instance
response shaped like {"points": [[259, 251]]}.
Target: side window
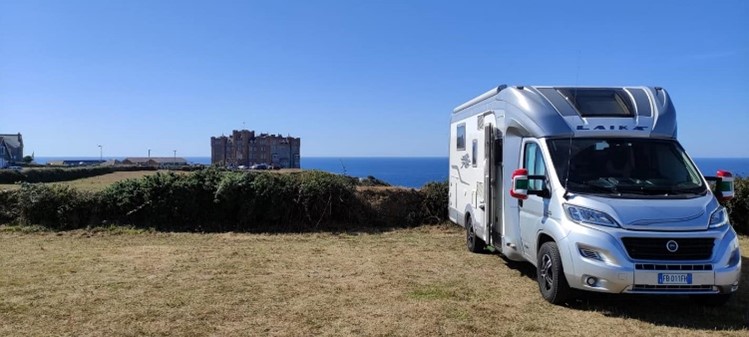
{"points": [[461, 137], [534, 162], [474, 152]]}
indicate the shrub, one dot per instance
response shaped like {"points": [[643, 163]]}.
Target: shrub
{"points": [[56, 206], [10, 176], [738, 207], [390, 207], [8, 206], [251, 199], [370, 181], [44, 175], [165, 201], [434, 206], [324, 197], [55, 174], [304, 200]]}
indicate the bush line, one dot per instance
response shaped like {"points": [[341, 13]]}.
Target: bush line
{"points": [[213, 200], [55, 174]]}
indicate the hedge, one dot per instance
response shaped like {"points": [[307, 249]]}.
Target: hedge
{"points": [[55, 174], [738, 207], [212, 200]]}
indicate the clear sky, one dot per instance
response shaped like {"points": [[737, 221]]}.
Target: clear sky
{"points": [[352, 78]]}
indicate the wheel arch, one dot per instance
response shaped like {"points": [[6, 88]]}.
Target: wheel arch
{"points": [[565, 253], [468, 213], [543, 238]]}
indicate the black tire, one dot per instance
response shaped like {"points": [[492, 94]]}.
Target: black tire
{"points": [[550, 275], [473, 242], [711, 301]]}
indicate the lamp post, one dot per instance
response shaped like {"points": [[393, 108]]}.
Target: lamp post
{"points": [[101, 153]]}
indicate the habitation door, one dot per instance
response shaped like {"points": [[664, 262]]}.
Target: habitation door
{"points": [[488, 182]]}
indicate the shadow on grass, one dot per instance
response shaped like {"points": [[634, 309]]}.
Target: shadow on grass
{"points": [[672, 311]]}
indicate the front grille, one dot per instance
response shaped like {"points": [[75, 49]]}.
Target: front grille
{"points": [[672, 287], [655, 248], [649, 266]]}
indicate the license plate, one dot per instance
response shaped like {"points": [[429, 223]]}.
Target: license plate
{"points": [[669, 278]]}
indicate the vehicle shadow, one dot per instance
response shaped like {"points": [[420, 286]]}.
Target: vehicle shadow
{"points": [[673, 311]]}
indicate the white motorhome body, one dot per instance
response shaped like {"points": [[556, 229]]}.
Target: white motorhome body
{"points": [[609, 188]]}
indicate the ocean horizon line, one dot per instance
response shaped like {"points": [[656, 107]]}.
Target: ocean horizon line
{"points": [[208, 156]]}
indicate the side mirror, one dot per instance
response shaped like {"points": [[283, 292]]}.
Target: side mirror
{"points": [[724, 185], [519, 189]]}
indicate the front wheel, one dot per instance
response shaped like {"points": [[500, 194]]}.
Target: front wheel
{"points": [[550, 275], [473, 242]]}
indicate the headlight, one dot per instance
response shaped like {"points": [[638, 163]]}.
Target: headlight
{"points": [[719, 218], [735, 258], [589, 216]]}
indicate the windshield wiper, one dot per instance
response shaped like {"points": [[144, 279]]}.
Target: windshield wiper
{"points": [[670, 190], [692, 190], [594, 188]]}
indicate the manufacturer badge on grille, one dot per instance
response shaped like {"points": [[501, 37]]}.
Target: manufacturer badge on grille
{"points": [[672, 246]]}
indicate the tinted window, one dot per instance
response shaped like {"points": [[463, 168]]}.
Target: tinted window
{"points": [[534, 163], [475, 152], [461, 137]]}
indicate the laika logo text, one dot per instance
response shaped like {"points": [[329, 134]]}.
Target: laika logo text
{"points": [[610, 128]]}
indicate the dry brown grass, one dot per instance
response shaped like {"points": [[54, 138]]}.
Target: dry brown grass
{"points": [[411, 282], [98, 183]]}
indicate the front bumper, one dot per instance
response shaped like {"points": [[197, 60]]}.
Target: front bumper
{"points": [[596, 260]]}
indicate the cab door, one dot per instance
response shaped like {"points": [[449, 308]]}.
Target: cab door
{"points": [[533, 209]]}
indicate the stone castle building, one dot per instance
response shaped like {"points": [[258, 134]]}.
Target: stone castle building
{"points": [[246, 148]]}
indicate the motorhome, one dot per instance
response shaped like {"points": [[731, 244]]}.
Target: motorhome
{"points": [[591, 186]]}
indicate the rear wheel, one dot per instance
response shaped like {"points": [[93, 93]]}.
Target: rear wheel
{"points": [[473, 242], [711, 300], [550, 276]]}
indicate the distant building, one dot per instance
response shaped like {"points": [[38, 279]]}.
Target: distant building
{"points": [[75, 162], [155, 161], [11, 149], [246, 148]]}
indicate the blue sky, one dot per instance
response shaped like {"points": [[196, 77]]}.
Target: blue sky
{"points": [[352, 78]]}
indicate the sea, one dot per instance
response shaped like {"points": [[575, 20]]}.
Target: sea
{"points": [[417, 171]]}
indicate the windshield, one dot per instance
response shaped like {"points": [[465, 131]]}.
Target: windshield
{"points": [[621, 167]]}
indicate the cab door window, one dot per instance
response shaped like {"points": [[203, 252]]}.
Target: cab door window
{"points": [[534, 163]]}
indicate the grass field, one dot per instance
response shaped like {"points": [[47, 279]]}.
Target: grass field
{"points": [[97, 183], [408, 282]]}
